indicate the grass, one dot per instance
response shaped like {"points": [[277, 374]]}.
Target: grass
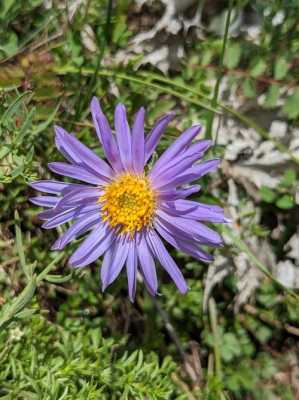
{"points": [[60, 338]]}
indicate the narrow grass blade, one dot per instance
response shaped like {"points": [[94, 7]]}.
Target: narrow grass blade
{"points": [[241, 245], [27, 268]]}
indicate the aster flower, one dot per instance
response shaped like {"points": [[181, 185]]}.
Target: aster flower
{"points": [[127, 212]]}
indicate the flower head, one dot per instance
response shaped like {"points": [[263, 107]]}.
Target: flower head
{"points": [[129, 203], [126, 211]]}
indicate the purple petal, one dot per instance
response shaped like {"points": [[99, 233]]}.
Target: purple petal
{"points": [[106, 265], [132, 270], [198, 148], [138, 147], [147, 265], [155, 134], [194, 210], [56, 217], [63, 147], [83, 196], [189, 175], [123, 136], [162, 178], [182, 193], [167, 261], [57, 220], [105, 135], [192, 228], [177, 181], [78, 211], [177, 231], [183, 160], [83, 154], [48, 186], [111, 269], [54, 212], [173, 194], [96, 243], [75, 187], [177, 146], [45, 201], [76, 172], [188, 247], [79, 227], [205, 167]]}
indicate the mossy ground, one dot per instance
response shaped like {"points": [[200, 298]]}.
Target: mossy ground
{"points": [[60, 337]]}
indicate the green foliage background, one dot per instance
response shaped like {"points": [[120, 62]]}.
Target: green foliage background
{"points": [[60, 338]]}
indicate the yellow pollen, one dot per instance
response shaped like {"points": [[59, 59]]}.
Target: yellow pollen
{"points": [[129, 203]]}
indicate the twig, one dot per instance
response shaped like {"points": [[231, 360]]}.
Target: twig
{"points": [[265, 318], [170, 329], [183, 386], [193, 364], [8, 262], [6, 243]]}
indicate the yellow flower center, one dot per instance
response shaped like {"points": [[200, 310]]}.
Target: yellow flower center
{"points": [[129, 203]]}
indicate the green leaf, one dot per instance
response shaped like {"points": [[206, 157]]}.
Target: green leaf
{"points": [[272, 96], [58, 278], [281, 68], [25, 314], [14, 107], [18, 304], [5, 6], [206, 57], [49, 267], [263, 333], [289, 178], [285, 202], [267, 194], [258, 67], [249, 88], [4, 151], [233, 55], [291, 106], [10, 45], [230, 347], [120, 31], [41, 127]]}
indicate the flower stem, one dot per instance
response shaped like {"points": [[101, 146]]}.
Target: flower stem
{"points": [[220, 74], [146, 79], [216, 341]]}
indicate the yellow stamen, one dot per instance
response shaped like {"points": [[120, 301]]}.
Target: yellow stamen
{"points": [[129, 203]]}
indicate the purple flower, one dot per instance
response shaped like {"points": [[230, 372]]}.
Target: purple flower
{"points": [[126, 211]]}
